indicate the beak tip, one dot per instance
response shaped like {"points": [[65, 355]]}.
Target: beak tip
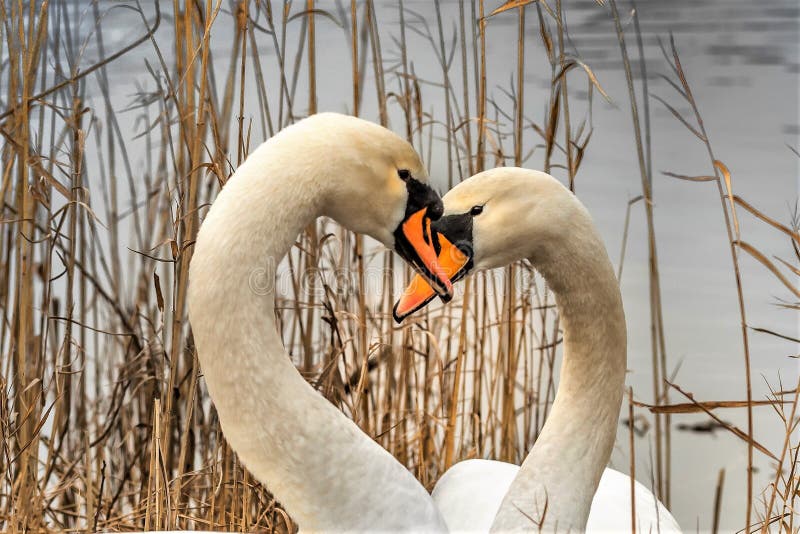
{"points": [[398, 318]]}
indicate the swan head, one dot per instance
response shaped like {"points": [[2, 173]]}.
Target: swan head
{"points": [[376, 184], [493, 219]]}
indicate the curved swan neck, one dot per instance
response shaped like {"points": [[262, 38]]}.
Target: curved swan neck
{"points": [[565, 464], [328, 474]]}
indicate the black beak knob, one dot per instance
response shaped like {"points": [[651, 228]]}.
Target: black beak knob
{"points": [[420, 196]]}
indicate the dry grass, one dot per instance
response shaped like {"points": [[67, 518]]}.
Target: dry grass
{"points": [[105, 418]]}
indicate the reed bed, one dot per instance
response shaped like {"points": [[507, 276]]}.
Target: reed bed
{"points": [[106, 421]]}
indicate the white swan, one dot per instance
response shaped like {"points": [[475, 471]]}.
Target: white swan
{"points": [[327, 473], [495, 218]]}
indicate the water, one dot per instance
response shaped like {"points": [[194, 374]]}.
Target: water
{"points": [[741, 59]]}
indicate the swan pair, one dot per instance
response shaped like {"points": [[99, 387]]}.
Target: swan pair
{"points": [[327, 473]]}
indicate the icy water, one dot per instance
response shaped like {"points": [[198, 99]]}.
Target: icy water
{"points": [[741, 58]]}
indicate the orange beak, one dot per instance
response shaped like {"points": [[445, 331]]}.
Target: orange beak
{"points": [[419, 293], [416, 232]]}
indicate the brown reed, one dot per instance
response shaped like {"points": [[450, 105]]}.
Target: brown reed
{"points": [[106, 421]]}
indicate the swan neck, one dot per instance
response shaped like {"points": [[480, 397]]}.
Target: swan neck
{"points": [[325, 471], [564, 467]]}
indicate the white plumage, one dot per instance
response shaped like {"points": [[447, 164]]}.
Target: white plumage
{"points": [[563, 484], [469, 494], [328, 474]]}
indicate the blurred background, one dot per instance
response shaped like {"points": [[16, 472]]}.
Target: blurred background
{"points": [[121, 121]]}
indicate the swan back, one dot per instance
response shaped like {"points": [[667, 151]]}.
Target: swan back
{"points": [[469, 494], [611, 508]]}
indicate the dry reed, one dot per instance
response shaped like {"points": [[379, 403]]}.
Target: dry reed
{"points": [[106, 421]]}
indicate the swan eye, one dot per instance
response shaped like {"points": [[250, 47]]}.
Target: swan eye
{"points": [[476, 210], [404, 174]]}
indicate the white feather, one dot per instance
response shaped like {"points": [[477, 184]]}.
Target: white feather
{"points": [[324, 470], [563, 484], [469, 495]]}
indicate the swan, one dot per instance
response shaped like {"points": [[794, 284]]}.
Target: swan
{"points": [[490, 220], [327, 473]]}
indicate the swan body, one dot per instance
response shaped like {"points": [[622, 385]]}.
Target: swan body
{"points": [[318, 463], [490, 220], [469, 495]]}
